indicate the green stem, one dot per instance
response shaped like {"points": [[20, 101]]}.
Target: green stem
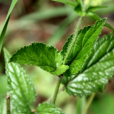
{"points": [[8, 104], [50, 99], [72, 43], [89, 103], [56, 90], [74, 39]]}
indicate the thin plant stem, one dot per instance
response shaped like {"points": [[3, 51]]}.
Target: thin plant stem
{"points": [[50, 99], [56, 90], [80, 105], [74, 39], [72, 43], [89, 103], [8, 104]]}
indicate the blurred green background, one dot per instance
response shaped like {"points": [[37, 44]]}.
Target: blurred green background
{"points": [[51, 23]]}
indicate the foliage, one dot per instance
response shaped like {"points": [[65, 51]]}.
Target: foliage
{"points": [[83, 45], [6, 23], [20, 86], [97, 69], [42, 56], [83, 66], [48, 108]]}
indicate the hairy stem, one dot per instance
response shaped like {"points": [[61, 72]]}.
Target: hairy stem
{"points": [[89, 103], [74, 39], [56, 90], [8, 104], [72, 43], [50, 99]]}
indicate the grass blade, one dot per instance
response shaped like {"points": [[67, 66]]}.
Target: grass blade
{"points": [[6, 23]]}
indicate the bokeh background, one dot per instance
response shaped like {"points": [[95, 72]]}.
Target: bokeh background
{"points": [[51, 23]]}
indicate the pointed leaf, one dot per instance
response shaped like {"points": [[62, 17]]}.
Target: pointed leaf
{"points": [[98, 68], [6, 23], [101, 48], [20, 87], [79, 9], [66, 2], [79, 2], [46, 57], [87, 45], [47, 108], [95, 17], [76, 48], [87, 37], [95, 8]]}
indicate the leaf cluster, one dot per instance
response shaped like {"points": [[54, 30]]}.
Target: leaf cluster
{"points": [[22, 91], [86, 69], [83, 10], [88, 66], [84, 65]]}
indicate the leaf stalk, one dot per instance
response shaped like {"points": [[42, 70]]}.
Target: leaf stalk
{"points": [[72, 43], [8, 104], [56, 90]]}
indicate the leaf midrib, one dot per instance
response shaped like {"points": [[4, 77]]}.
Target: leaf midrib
{"points": [[88, 67], [84, 44], [12, 64], [26, 54]]}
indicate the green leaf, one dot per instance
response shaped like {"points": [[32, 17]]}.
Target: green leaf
{"points": [[47, 108], [85, 42], [79, 2], [95, 17], [95, 8], [97, 69], [46, 57], [101, 48], [20, 87], [76, 48], [6, 23], [66, 2], [78, 9]]}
